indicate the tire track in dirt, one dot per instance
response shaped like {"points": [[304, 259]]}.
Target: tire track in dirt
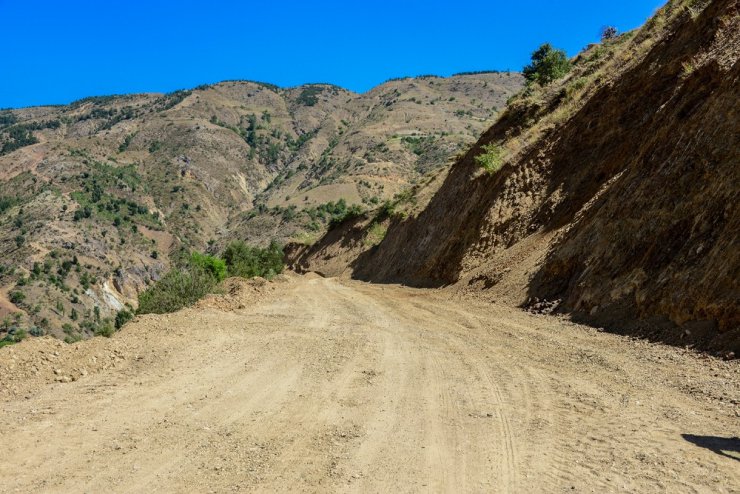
{"points": [[445, 358]]}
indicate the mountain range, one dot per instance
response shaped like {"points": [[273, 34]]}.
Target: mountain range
{"points": [[98, 197]]}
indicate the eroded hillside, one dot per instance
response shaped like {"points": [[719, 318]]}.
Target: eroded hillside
{"points": [[617, 195]]}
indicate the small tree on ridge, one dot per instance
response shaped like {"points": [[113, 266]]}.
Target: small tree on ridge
{"points": [[548, 64]]}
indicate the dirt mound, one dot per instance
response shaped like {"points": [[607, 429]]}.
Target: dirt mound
{"points": [[238, 292], [38, 361]]}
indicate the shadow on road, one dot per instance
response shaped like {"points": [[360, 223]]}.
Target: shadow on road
{"points": [[725, 446]]}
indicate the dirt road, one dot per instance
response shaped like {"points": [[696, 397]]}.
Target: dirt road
{"points": [[324, 385]]}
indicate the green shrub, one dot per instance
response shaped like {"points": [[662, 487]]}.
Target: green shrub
{"points": [[247, 261], [289, 213], [387, 210], [73, 338], [609, 33], [84, 212], [122, 317], [126, 142], [492, 159], [105, 328], [351, 212], [337, 212], [390, 208], [7, 118], [213, 265], [177, 289], [375, 234], [7, 203], [200, 273], [15, 335], [17, 137], [548, 64], [17, 297]]}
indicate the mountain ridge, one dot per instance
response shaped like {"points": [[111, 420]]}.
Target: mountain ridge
{"points": [[119, 187]]}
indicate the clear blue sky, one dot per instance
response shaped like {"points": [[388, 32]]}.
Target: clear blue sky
{"points": [[57, 51]]}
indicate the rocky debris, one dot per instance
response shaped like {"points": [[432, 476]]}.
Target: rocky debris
{"points": [[46, 359], [537, 306], [486, 281]]}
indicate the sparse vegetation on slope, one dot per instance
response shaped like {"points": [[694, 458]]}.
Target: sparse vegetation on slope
{"points": [[247, 261], [181, 287], [130, 182], [492, 158], [200, 273]]}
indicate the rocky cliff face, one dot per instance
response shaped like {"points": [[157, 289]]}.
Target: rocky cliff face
{"points": [[618, 198], [661, 239]]}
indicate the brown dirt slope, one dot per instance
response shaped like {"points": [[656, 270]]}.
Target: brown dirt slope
{"points": [[618, 196], [323, 385]]}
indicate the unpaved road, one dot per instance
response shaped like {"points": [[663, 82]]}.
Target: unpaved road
{"points": [[325, 385]]}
